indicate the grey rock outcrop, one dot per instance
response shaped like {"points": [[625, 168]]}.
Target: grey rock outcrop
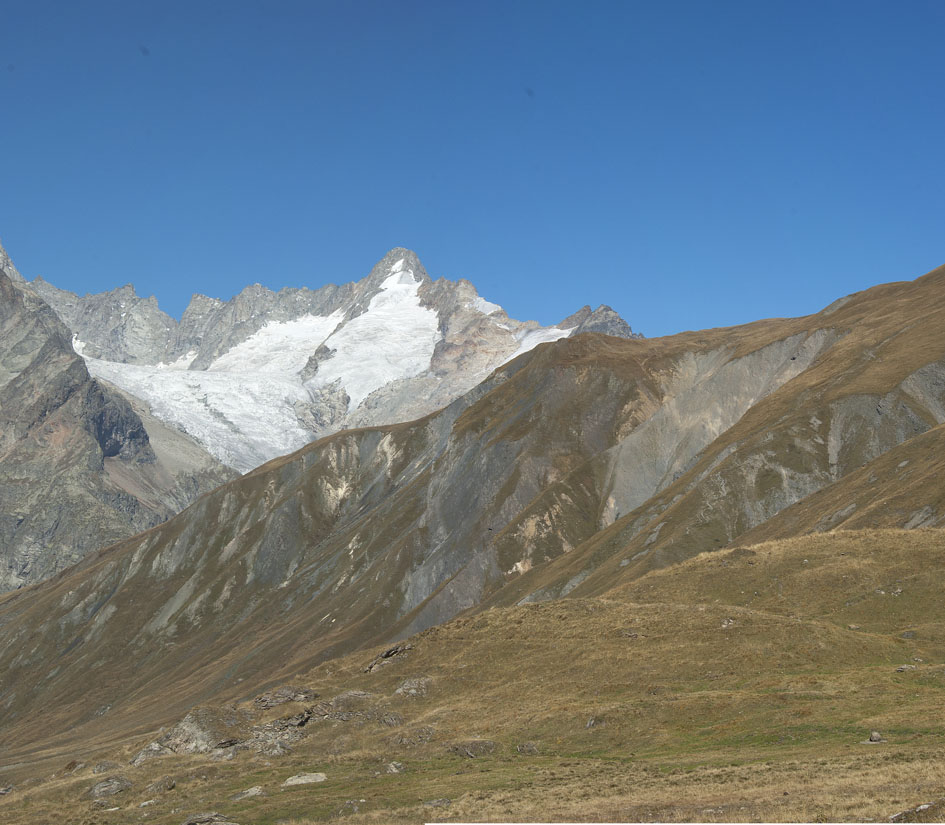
{"points": [[162, 785], [416, 687], [282, 695], [77, 467], [109, 787], [7, 267], [119, 324], [603, 320], [471, 748], [204, 729]]}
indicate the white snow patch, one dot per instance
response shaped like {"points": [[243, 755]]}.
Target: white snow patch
{"points": [[181, 363], [242, 419], [533, 337], [394, 339], [242, 408], [282, 347], [484, 306], [78, 346]]}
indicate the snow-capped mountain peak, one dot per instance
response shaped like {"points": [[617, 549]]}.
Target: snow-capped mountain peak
{"points": [[393, 340], [267, 372]]}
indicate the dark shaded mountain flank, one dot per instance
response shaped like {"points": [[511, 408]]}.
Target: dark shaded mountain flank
{"points": [[78, 469]]}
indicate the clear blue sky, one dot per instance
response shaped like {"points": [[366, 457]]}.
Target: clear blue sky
{"points": [[693, 164]]}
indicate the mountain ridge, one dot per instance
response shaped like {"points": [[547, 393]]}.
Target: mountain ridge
{"points": [[588, 491], [379, 532], [391, 347]]}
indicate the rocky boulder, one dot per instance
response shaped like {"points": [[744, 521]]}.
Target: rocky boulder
{"points": [[109, 787]]}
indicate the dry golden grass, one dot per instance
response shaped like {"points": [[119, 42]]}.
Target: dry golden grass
{"points": [[716, 686], [813, 790]]}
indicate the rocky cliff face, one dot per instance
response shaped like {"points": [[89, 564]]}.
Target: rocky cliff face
{"points": [[7, 267], [77, 467], [267, 372], [119, 323], [577, 467], [811, 451]]}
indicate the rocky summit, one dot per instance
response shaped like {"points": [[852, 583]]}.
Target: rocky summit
{"points": [[617, 578], [263, 374]]}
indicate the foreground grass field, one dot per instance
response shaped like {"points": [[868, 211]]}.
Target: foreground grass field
{"points": [[738, 686]]}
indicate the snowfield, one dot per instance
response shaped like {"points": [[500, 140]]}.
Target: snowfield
{"points": [[534, 337], [242, 408], [394, 339], [484, 306], [249, 404], [242, 418]]}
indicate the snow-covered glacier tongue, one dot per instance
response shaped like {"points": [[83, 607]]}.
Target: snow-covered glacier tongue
{"points": [[267, 372], [244, 407]]}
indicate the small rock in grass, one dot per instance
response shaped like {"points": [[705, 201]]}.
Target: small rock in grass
{"points": [[304, 779], [162, 785], [209, 819], [418, 686], [927, 812], [472, 748], [256, 790], [109, 787]]}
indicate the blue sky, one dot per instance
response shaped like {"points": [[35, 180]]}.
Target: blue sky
{"points": [[692, 164]]}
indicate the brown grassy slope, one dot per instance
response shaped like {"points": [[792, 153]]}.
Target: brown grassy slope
{"points": [[705, 700], [309, 555], [377, 532], [853, 404]]}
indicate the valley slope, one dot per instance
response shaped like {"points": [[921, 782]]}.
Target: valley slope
{"points": [[581, 466]]}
